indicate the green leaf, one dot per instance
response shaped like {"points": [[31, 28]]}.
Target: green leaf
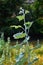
{"points": [[26, 11], [16, 27], [29, 24], [19, 35], [20, 17]]}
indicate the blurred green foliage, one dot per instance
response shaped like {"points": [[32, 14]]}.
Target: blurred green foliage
{"points": [[37, 12]]}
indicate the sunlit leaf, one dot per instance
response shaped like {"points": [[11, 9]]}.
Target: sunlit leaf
{"points": [[29, 24], [14, 26], [26, 11], [20, 17], [19, 35]]}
